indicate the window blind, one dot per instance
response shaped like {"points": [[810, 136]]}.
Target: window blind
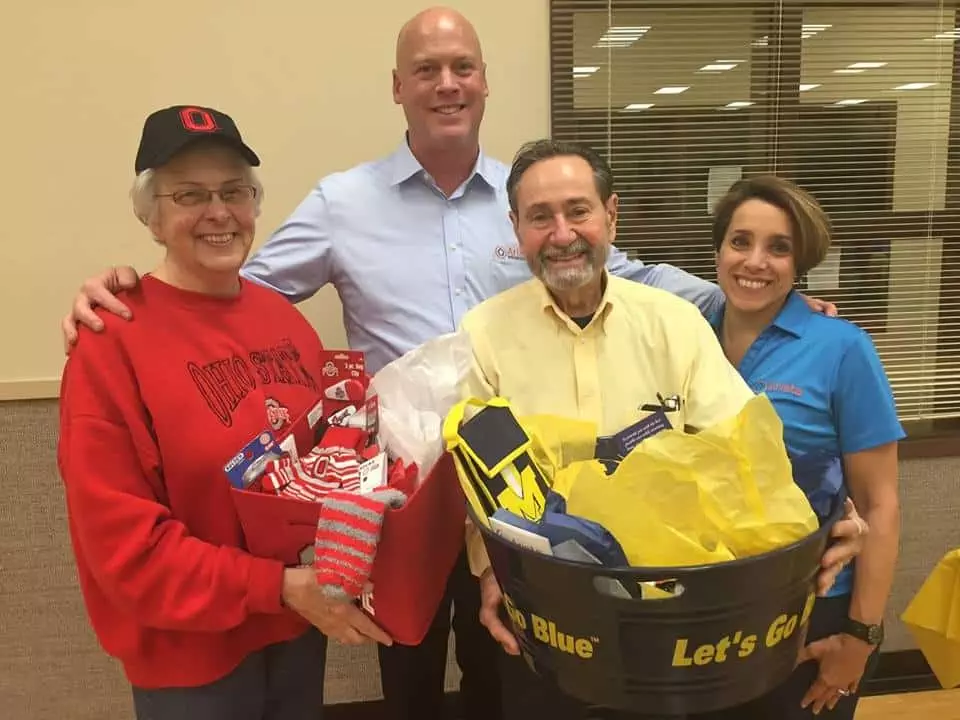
{"points": [[854, 101]]}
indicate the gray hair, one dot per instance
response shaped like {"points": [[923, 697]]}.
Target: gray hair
{"points": [[538, 150], [145, 204]]}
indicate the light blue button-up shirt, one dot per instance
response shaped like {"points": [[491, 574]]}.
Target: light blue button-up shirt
{"points": [[408, 261]]}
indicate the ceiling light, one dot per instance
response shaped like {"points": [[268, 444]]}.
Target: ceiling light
{"points": [[739, 104], [671, 90], [622, 36], [583, 71], [848, 71], [809, 86], [849, 102], [762, 42], [914, 86], [808, 31], [639, 106], [866, 65], [949, 35], [734, 62], [717, 67]]}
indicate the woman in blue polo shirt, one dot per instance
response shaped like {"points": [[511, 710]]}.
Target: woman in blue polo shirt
{"points": [[824, 377]]}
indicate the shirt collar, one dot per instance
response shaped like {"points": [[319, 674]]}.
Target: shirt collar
{"points": [[404, 166], [794, 315], [547, 303], [792, 318]]}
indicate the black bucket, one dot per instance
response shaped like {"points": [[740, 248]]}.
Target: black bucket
{"points": [[723, 635]]}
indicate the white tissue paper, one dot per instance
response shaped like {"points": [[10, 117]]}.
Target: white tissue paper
{"points": [[416, 391]]}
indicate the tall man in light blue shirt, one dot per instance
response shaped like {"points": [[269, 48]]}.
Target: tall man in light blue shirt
{"points": [[412, 242]]}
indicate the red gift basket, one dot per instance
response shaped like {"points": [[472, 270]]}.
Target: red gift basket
{"points": [[419, 545]]}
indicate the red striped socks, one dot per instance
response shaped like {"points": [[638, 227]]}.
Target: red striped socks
{"points": [[347, 537]]}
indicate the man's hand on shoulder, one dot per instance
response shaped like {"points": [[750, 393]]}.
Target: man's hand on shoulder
{"points": [[821, 306], [99, 291]]}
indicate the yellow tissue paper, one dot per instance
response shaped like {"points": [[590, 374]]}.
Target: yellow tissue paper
{"points": [[680, 499], [677, 499], [933, 618], [557, 441]]}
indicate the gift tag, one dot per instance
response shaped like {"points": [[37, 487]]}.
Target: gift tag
{"points": [[628, 438], [520, 536], [373, 473], [611, 449]]}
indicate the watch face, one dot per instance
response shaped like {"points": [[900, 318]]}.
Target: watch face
{"points": [[875, 634]]}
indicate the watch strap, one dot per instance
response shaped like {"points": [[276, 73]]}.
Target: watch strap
{"points": [[870, 634]]}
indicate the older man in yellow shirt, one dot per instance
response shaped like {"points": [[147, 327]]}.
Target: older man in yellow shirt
{"points": [[577, 342]]}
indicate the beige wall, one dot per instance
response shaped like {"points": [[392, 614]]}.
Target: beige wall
{"points": [[308, 82]]}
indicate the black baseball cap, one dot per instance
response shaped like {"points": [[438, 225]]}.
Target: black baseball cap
{"points": [[166, 132]]}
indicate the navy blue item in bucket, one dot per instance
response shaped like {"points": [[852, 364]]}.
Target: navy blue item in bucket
{"points": [[707, 638], [558, 527]]}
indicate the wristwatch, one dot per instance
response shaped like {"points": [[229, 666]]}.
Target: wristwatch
{"points": [[870, 634]]}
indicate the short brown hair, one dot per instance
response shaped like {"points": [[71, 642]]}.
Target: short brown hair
{"points": [[533, 152], [810, 225]]}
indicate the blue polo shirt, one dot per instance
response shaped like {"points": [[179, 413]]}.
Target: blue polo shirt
{"points": [[826, 381]]}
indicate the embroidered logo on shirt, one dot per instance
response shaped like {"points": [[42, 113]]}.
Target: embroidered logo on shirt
{"points": [[513, 252], [769, 386], [277, 414]]}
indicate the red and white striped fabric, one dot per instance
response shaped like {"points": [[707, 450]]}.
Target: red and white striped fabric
{"points": [[279, 474], [316, 474], [332, 465]]}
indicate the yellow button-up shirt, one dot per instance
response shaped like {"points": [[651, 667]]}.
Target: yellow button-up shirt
{"points": [[644, 348]]}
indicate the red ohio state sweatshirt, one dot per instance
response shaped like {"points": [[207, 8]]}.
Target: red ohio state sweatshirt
{"points": [[152, 411]]}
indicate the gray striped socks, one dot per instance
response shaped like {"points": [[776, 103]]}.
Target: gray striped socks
{"points": [[347, 535]]}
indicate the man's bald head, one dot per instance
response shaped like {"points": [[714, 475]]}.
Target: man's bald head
{"points": [[441, 82], [431, 23]]}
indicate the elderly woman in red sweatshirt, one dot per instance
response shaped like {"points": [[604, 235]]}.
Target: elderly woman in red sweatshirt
{"points": [[153, 411]]}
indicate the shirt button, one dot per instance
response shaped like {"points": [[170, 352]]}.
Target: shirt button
{"points": [[459, 291], [453, 247]]}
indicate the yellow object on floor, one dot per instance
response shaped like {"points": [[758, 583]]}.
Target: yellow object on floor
{"points": [[933, 618]]}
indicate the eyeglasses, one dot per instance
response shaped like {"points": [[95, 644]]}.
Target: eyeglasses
{"points": [[195, 197]]}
